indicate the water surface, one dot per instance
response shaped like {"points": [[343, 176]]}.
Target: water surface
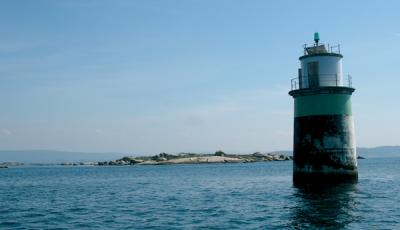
{"points": [[212, 196]]}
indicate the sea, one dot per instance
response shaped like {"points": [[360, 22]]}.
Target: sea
{"points": [[199, 196]]}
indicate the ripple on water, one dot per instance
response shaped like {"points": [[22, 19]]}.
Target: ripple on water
{"points": [[219, 196]]}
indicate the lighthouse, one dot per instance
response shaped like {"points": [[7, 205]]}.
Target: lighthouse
{"points": [[324, 141]]}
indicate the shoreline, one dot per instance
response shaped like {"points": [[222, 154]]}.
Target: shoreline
{"points": [[191, 158], [167, 159]]}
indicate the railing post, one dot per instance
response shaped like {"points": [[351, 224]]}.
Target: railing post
{"points": [[350, 81], [336, 80]]}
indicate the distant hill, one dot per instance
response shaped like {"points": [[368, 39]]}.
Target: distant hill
{"points": [[381, 151], [52, 156]]}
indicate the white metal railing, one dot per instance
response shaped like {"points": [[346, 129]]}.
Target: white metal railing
{"points": [[327, 80], [329, 48]]}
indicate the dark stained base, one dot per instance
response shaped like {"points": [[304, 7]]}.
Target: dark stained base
{"points": [[324, 143], [301, 179]]}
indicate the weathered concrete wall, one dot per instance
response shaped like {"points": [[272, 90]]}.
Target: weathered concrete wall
{"points": [[324, 144], [324, 140]]}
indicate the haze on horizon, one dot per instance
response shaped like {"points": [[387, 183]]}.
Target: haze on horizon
{"points": [[176, 76]]}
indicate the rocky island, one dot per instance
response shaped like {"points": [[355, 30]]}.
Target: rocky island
{"points": [[194, 158], [10, 164]]}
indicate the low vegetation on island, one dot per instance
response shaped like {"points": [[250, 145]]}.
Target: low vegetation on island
{"points": [[194, 158]]}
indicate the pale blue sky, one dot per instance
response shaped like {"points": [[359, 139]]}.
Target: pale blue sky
{"points": [[150, 76]]}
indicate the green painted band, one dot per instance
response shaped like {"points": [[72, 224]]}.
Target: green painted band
{"points": [[322, 104]]}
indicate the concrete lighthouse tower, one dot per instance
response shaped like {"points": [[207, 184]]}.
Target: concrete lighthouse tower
{"points": [[324, 143]]}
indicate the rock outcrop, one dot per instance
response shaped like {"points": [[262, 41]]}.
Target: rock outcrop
{"points": [[192, 158]]}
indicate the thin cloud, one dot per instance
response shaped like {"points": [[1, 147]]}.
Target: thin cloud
{"points": [[5, 132], [284, 133], [99, 132], [14, 47]]}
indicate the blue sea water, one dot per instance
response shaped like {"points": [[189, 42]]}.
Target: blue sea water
{"points": [[208, 196]]}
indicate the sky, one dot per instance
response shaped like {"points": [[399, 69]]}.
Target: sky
{"points": [[147, 76]]}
